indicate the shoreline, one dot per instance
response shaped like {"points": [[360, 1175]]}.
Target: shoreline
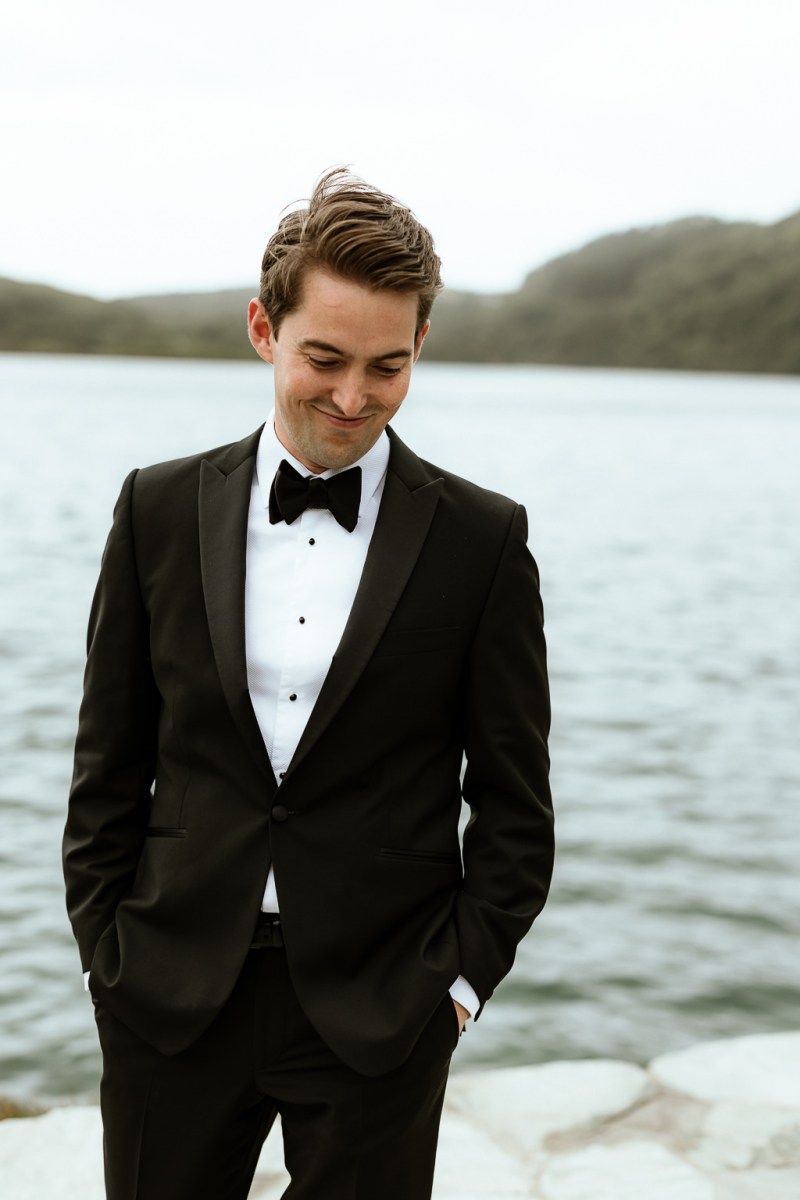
{"points": [[718, 1121]]}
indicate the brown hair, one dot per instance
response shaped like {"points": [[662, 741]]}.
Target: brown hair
{"points": [[354, 231]]}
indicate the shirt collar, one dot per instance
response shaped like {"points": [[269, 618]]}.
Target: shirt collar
{"points": [[270, 452]]}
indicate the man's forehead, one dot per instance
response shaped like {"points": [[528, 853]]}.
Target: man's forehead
{"points": [[340, 315]]}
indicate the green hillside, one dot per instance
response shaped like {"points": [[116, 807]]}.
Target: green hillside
{"points": [[35, 318], [697, 294]]}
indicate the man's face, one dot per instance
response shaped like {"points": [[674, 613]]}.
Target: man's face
{"points": [[342, 365]]}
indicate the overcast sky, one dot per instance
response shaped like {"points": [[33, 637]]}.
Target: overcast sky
{"points": [[151, 147]]}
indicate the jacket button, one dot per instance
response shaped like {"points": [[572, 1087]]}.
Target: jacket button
{"points": [[280, 812]]}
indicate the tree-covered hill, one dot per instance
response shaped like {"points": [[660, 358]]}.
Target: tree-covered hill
{"points": [[36, 318], [697, 294]]}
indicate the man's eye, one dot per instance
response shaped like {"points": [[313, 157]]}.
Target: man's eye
{"points": [[323, 363], [388, 372]]}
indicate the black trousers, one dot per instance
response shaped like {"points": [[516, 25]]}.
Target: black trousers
{"points": [[191, 1127]]}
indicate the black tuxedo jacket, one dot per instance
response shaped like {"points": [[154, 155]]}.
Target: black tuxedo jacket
{"points": [[175, 815]]}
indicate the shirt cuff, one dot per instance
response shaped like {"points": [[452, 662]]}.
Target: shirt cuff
{"points": [[86, 981], [465, 995]]}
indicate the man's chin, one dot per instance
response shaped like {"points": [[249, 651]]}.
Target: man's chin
{"points": [[338, 453]]}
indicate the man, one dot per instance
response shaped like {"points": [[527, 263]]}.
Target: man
{"points": [[294, 642]]}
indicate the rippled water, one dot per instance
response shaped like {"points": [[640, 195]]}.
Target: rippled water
{"points": [[664, 515]]}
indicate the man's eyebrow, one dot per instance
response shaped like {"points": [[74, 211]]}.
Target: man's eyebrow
{"points": [[313, 344]]}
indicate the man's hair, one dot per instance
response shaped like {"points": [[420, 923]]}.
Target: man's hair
{"points": [[357, 232]]}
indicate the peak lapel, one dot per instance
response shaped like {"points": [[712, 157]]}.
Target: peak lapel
{"points": [[224, 502], [408, 504]]}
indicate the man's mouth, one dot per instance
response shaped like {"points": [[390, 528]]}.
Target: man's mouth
{"points": [[344, 422]]}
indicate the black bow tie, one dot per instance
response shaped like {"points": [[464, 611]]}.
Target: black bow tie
{"points": [[291, 495]]}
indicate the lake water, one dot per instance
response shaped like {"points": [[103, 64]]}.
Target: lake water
{"points": [[664, 515]]}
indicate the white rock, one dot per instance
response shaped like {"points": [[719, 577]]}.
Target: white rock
{"points": [[521, 1106], [762, 1069], [630, 1171], [760, 1185], [745, 1134], [58, 1156], [732, 1135], [471, 1166], [271, 1178]]}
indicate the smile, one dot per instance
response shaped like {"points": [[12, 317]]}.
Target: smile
{"points": [[344, 422]]}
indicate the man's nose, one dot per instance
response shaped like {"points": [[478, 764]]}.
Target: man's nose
{"points": [[351, 395]]}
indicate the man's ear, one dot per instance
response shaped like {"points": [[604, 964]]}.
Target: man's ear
{"points": [[259, 329], [420, 338]]}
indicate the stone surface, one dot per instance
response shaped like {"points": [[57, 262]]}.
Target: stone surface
{"points": [[271, 1178], [763, 1069], [735, 1137], [523, 1106], [472, 1165], [633, 1171], [718, 1122], [58, 1156], [759, 1185]]}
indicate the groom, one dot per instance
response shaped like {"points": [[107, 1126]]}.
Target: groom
{"points": [[295, 641]]}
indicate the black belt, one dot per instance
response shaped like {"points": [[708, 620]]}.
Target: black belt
{"points": [[268, 933]]}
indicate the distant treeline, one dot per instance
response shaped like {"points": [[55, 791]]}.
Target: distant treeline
{"points": [[695, 294]]}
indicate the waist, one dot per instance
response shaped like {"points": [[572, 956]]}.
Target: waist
{"points": [[268, 933]]}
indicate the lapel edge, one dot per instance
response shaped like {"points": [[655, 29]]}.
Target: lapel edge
{"points": [[223, 507]]}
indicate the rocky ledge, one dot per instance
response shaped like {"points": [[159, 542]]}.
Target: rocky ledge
{"points": [[720, 1121]]}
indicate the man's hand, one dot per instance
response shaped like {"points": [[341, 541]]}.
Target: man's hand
{"points": [[463, 1016]]}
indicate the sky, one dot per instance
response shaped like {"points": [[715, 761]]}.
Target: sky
{"points": [[151, 147]]}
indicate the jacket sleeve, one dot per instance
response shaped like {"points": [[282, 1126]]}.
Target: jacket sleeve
{"points": [[508, 843], [116, 743]]}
